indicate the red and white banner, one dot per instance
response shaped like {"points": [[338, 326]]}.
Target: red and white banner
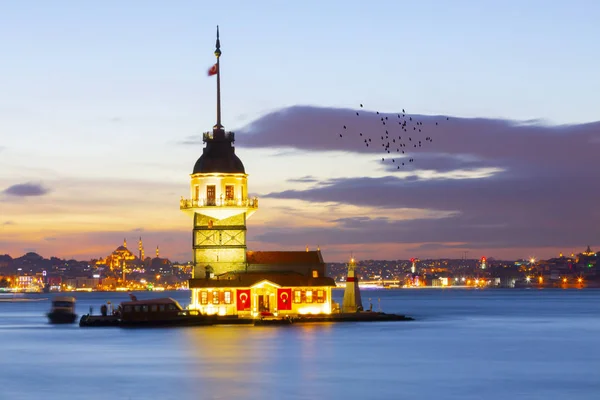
{"points": [[243, 300], [284, 299], [213, 70]]}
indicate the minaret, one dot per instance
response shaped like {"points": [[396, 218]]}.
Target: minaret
{"points": [[141, 250], [413, 267], [352, 301], [219, 202], [125, 242], [157, 253]]}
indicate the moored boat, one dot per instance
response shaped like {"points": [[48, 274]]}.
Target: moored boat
{"points": [[63, 310], [148, 313]]}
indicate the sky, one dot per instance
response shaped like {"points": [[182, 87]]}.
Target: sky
{"points": [[102, 105]]}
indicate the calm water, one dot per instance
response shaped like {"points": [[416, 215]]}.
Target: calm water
{"points": [[466, 344]]}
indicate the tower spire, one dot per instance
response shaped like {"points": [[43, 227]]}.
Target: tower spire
{"points": [[218, 126]]}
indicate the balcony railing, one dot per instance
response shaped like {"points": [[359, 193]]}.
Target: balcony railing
{"points": [[194, 203]]}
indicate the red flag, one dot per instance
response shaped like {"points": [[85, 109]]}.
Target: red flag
{"points": [[243, 300], [213, 70], [284, 299]]}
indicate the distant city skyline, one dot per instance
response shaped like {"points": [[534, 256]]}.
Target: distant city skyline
{"points": [[103, 106]]}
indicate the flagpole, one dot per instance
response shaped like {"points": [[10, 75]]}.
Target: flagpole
{"points": [[218, 55]]}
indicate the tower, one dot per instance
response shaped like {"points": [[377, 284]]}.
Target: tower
{"points": [[157, 253], [219, 202], [141, 250], [352, 301]]}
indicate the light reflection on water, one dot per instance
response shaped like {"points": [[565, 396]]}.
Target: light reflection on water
{"points": [[465, 345]]}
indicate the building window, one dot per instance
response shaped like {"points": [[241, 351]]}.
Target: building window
{"points": [[309, 296], [228, 297], [315, 273], [203, 297], [297, 296], [215, 297], [229, 192], [320, 296], [196, 192]]}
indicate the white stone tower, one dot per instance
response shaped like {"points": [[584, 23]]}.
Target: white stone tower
{"points": [[219, 202], [352, 301]]}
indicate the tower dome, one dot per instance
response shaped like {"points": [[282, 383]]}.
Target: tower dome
{"points": [[219, 155]]}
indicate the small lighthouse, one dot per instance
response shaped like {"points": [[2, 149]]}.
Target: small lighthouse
{"points": [[352, 301]]}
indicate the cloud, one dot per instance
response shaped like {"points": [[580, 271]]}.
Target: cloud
{"points": [[26, 190], [467, 141], [192, 140], [6, 223], [505, 183], [304, 179], [50, 239]]}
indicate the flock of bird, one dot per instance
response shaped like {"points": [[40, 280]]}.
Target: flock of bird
{"points": [[390, 136]]}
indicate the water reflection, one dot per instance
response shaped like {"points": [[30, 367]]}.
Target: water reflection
{"points": [[234, 361], [466, 345]]}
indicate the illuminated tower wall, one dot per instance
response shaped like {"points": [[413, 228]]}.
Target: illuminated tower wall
{"points": [[221, 207]]}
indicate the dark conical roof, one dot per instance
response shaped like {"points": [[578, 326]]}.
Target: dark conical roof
{"points": [[219, 155]]}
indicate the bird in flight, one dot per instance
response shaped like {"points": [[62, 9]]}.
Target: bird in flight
{"points": [[390, 135]]}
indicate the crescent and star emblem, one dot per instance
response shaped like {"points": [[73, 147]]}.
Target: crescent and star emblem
{"points": [[284, 296], [243, 297]]}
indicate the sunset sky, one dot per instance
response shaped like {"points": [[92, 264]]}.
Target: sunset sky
{"points": [[102, 107]]}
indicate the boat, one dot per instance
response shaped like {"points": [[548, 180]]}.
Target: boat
{"points": [[147, 313], [63, 310]]}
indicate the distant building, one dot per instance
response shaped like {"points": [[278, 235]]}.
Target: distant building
{"points": [[119, 257]]}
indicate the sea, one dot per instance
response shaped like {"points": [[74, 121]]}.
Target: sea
{"points": [[463, 344]]}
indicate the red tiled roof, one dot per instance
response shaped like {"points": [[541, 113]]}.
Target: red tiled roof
{"points": [[247, 279], [284, 257]]}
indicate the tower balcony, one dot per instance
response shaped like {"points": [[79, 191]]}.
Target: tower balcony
{"points": [[219, 208]]}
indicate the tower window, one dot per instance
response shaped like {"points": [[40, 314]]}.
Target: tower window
{"points": [[211, 194], [229, 195], [196, 192]]}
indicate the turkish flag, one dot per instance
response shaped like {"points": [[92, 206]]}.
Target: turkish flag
{"points": [[284, 299], [213, 70], [243, 300]]}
